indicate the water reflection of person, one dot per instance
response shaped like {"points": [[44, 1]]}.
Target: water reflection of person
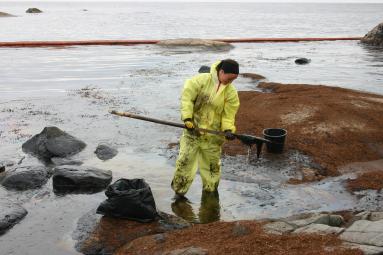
{"points": [[209, 210]]}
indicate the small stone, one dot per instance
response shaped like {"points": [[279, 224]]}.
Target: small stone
{"points": [[105, 152], [302, 61], [365, 215], [375, 216], [253, 76], [160, 238], [335, 220], [204, 69], [278, 227], [33, 10], [308, 174], [240, 230], [188, 251]]}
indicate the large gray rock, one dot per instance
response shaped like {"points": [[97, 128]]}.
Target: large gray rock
{"points": [[26, 177], [278, 227], [80, 179], [10, 214], [195, 42], [105, 152], [33, 10], [319, 229], [365, 232], [375, 36], [53, 142]]}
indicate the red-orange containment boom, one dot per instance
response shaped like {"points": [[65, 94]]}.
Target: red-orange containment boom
{"points": [[136, 42]]}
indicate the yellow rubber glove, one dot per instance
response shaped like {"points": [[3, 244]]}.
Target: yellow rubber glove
{"points": [[189, 124]]}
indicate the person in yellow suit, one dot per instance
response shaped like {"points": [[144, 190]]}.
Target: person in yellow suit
{"points": [[209, 101]]}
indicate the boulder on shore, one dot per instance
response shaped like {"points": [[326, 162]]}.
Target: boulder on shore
{"points": [[375, 36], [33, 10], [80, 179], [10, 214], [53, 142], [26, 177]]}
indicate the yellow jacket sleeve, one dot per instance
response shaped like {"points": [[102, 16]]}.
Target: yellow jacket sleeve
{"points": [[230, 109], [188, 97]]}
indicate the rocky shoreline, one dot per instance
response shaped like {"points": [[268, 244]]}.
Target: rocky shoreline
{"points": [[319, 120], [347, 232]]}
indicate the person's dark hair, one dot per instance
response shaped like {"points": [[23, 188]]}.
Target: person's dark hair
{"points": [[228, 66]]}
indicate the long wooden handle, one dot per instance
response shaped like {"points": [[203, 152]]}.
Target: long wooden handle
{"points": [[244, 138], [168, 123]]}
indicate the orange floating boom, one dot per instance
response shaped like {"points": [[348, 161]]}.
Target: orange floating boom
{"points": [[136, 42]]}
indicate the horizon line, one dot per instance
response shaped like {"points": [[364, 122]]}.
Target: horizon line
{"points": [[212, 1]]}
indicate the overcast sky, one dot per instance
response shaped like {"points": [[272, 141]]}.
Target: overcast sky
{"points": [[265, 1]]}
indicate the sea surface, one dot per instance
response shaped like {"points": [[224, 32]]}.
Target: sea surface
{"points": [[74, 87], [347, 64]]}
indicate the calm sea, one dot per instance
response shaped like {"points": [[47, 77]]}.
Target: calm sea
{"points": [[24, 72]]}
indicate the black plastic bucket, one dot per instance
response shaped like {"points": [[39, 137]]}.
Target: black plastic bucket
{"points": [[277, 136]]}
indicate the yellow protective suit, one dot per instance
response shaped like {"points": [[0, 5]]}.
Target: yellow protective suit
{"points": [[209, 109]]}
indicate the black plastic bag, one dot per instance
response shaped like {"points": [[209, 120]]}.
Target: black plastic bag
{"points": [[129, 199]]}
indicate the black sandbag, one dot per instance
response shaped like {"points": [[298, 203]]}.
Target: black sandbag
{"points": [[129, 199]]}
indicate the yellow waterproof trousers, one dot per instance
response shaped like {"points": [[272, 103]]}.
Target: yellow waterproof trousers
{"points": [[203, 152]]}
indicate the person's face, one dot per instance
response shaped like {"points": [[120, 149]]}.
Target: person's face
{"points": [[226, 78]]}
